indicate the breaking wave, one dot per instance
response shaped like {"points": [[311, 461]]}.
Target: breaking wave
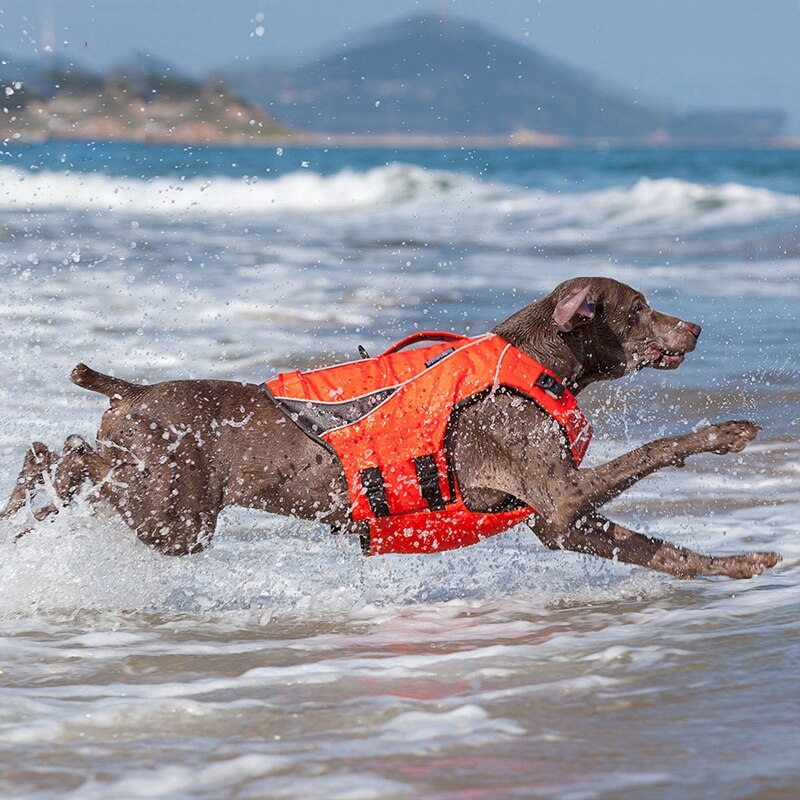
{"points": [[648, 204]]}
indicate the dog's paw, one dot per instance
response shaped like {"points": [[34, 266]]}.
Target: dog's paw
{"points": [[76, 444], [729, 437], [746, 565]]}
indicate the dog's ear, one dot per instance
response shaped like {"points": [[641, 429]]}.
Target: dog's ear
{"points": [[574, 310]]}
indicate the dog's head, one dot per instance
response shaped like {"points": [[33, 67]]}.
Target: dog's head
{"points": [[612, 330], [591, 329]]}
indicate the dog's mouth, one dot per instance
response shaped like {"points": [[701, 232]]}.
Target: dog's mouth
{"points": [[669, 361], [659, 357]]}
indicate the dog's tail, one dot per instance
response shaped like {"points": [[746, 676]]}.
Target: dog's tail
{"points": [[105, 384]]}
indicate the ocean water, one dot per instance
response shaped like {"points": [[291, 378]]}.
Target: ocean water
{"points": [[282, 664]]}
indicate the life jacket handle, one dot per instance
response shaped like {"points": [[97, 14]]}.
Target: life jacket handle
{"points": [[425, 336]]}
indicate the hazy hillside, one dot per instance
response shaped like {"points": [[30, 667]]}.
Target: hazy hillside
{"points": [[142, 102], [450, 76], [424, 79]]}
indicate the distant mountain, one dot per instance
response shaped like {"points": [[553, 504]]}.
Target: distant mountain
{"points": [[425, 78], [450, 76]]}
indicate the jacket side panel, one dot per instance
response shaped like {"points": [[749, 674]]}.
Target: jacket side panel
{"points": [[426, 532], [411, 423]]}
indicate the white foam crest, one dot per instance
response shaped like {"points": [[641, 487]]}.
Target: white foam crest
{"points": [[652, 206], [649, 206], [176, 781], [427, 728], [300, 191]]}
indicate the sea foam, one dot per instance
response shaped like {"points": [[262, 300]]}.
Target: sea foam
{"points": [[648, 204]]}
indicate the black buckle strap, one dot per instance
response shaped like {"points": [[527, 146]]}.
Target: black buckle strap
{"points": [[375, 488], [428, 477], [361, 529], [547, 383]]}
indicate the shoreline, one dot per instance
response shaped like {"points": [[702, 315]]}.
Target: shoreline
{"points": [[524, 141]]}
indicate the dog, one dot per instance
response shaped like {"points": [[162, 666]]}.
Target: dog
{"points": [[170, 456]]}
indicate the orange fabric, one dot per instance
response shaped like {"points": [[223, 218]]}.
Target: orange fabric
{"points": [[422, 387]]}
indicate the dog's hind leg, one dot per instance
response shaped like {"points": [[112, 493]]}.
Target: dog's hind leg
{"points": [[166, 491], [39, 460], [598, 536], [180, 527], [78, 465]]}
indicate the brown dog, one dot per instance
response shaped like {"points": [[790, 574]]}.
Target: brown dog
{"points": [[171, 456]]}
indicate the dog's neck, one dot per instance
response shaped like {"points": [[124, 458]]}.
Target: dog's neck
{"points": [[533, 331]]}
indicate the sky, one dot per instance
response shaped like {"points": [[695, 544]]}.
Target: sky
{"points": [[684, 54]]}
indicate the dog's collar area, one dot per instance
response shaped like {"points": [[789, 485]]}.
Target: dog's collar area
{"points": [[551, 385]]}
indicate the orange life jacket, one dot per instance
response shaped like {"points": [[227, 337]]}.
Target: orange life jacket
{"points": [[387, 421]]}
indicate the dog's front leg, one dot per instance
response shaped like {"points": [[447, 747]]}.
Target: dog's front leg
{"points": [[588, 489], [508, 445], [597, 536]]}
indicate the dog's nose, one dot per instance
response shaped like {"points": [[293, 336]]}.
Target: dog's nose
{"points": [[695, 330]]}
